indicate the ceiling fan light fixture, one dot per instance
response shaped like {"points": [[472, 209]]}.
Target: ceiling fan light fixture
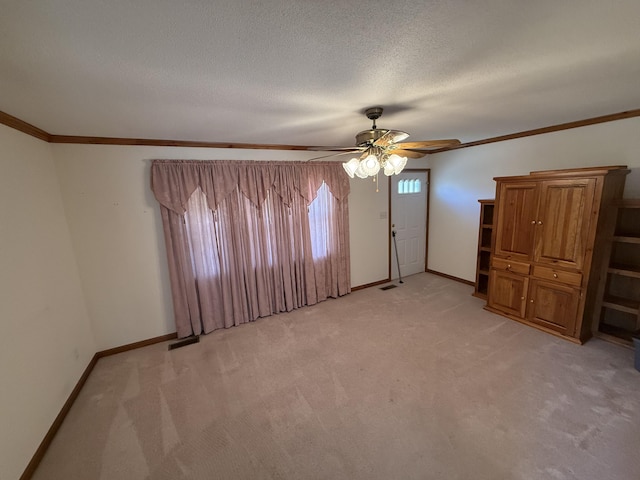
{"points": [[372, 164], [351, 166], [376, 146]]}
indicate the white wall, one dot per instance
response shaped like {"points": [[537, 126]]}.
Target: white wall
{"points": [[116, 231], [460, 177], [46, 340], [369, 230]]}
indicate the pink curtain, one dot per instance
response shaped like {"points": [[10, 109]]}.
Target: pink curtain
{"points": [[250, 239]]}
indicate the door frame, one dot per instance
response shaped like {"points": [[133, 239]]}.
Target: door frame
{"points": [[426, 240]]}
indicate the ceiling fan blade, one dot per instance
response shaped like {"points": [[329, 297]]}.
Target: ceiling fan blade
{"points": [[427, 144], [335, 149], [355, 153], [408, 153], [392, 136]]}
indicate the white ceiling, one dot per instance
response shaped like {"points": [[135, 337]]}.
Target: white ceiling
{"points": [[302, 72]]}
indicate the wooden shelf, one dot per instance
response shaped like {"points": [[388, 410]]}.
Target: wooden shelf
{"points": [[616, 332], [622, 304], [623, 340], [628, 203], [626, 270], [626, 239]]}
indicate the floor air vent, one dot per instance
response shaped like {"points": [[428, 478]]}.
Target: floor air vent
{"points": [[184, 342], [388, 287]]}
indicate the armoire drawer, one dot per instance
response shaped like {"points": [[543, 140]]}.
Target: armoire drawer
{"points": [[546, 273], [510, 266]]}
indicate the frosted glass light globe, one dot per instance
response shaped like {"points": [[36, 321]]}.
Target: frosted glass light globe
{"points": [[370, 165], [351, 166], [397, 162]]}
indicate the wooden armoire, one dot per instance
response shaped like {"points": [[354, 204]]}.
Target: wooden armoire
{"points": [[551, 245]]}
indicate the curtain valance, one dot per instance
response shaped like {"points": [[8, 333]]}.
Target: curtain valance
{"points": [[174, 181]]}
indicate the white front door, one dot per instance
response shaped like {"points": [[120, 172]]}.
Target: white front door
{"points": [[409, 221]]}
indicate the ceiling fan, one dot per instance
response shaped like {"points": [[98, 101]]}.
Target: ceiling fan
{"points": [[379, 148]]}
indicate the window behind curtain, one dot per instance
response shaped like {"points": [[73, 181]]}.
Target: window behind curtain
{"points": [[202, 226], [322, 223], [269, 267]]}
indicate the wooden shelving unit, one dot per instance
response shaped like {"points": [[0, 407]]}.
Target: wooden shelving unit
{"points": [[620, 311], [485, 232]]}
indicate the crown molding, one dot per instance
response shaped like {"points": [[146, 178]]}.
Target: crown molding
{"points": [[539, 131], [168, 143], [24, 127], [34, 131]]}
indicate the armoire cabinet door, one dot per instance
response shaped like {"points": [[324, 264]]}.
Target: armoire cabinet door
{"points": [[563, 222], [553, 306], [508, 292], [516, 220]]}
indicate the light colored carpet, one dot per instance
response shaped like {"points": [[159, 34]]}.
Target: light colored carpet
{"points": [[416, 382]]}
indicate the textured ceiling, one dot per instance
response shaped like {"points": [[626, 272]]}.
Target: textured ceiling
{"points": [[302, 72]]}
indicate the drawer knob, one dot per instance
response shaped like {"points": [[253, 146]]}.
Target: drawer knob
{"points": [[521, 298], [533, 222], [540, 222], [531, 301], [508, 266], [555, 275]]}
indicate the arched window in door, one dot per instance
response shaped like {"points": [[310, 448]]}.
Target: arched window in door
{"points": [[409, 185]]}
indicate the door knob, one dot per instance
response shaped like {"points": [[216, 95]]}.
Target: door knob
{"points": [[540, 222], [531, 301], [555, 275], [533, 222]]}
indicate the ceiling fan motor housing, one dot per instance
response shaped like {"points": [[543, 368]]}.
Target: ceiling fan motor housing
{"points": [[367, 137]]}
